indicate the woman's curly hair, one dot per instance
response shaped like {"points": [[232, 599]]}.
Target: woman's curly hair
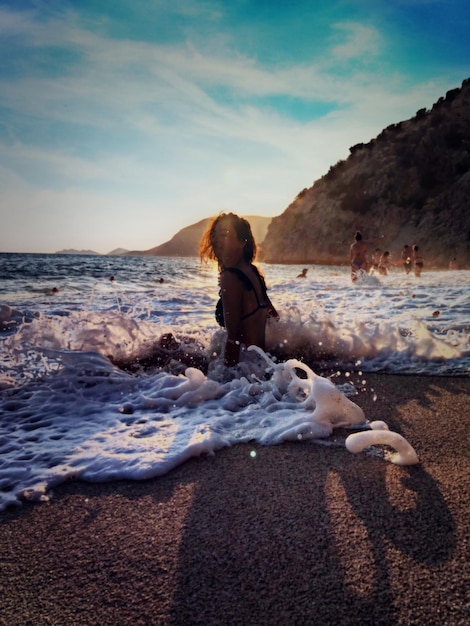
{"points": [[242, 228]]}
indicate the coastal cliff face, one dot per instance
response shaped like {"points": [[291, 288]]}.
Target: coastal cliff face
{"points": [[411, 183]]}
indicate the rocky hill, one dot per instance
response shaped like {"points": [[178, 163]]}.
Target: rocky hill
{"points": [[411, 183], [117, 252], [186, 241]]}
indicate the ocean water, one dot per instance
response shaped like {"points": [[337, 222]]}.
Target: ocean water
{"points": [[110, 367]]}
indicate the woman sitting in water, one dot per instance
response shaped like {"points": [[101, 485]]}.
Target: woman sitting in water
{"points": [[244, 306]]}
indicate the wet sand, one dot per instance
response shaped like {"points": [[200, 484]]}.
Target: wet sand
{"points": [[299, 533]]}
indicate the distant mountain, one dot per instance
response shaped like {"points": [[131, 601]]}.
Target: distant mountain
{"points": [[411, 183], [117, 252], [186, 241], [73, 251]]}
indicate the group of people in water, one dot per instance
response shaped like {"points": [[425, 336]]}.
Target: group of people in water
{"points": [[410, 257]]}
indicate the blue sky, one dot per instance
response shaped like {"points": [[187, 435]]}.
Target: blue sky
{"points": [[123, 121]]}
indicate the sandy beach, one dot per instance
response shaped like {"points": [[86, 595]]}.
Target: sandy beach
{"points": [[299, 533]]}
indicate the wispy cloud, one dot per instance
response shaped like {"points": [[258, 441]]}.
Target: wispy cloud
{"points": [[357, 41]]}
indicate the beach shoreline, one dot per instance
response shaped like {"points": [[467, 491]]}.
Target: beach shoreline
{"points": [[298, 533]]}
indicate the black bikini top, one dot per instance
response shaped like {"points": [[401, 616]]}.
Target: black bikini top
{"points": [[219, 310]]}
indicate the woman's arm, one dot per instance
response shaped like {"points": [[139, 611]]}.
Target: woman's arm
{"points": [[271, 310], [231, 289]]}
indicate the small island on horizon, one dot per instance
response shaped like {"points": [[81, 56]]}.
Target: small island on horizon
{"points": [[115, 252]]}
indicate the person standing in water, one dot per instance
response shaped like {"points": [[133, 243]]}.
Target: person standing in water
{"points": [[358, 253], [384, 263], [376, 256], [418, 261], [407, 258], [244, 305]]}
